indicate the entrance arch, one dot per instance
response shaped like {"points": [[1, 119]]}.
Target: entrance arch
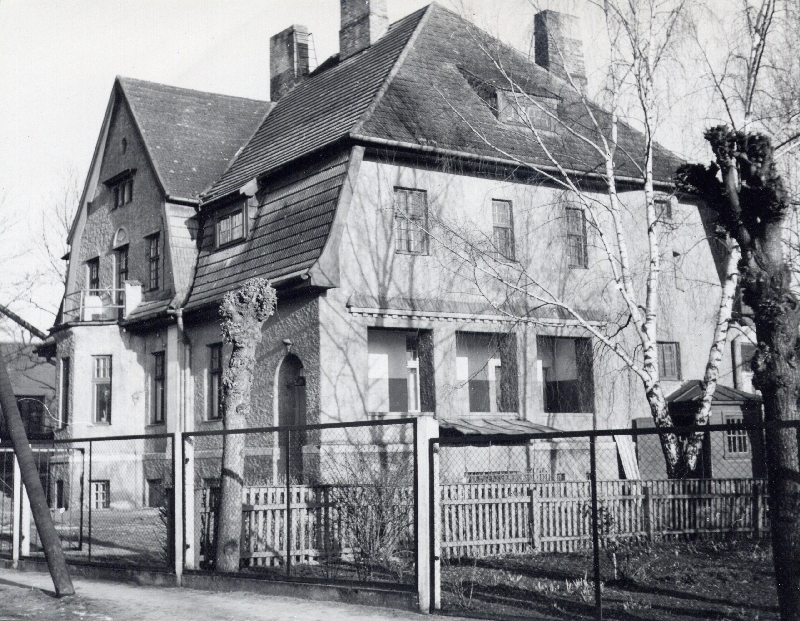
{"points": [[291, 397]]}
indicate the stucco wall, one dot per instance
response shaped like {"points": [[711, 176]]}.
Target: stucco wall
{"points": [[462, 205]]}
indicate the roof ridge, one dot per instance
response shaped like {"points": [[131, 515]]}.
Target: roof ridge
{"points": [[395, 68], [189, 90]]}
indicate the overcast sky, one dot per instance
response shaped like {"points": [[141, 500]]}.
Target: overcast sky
{"points": [[58, 61]]}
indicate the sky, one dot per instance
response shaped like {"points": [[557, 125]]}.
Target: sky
{"points": [[58, 61]]}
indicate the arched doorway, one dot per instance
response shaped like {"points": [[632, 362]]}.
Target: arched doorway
{"points": [[291, 393]]}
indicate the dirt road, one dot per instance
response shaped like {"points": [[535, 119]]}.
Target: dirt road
{"points": [[30, 596]]}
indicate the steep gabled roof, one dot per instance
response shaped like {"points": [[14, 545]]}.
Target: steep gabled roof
{"points": [[319, 111], [190, 136]]}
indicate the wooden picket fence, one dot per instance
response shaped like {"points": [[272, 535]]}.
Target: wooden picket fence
{"points": [[489, 519], [312, 522]]}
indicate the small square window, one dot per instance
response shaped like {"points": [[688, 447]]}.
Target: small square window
{"points": [[230, 227], [101, 494], [736, 442]]}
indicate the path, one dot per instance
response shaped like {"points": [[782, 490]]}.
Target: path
{"points": [[30, 596]]}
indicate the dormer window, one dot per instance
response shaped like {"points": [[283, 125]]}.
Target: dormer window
{"points": [[529, 110], [121, 186], [229, 227]]}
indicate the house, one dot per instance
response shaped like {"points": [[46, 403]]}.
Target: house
{"points": [[346, 191]]}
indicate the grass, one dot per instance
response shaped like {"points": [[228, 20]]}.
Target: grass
{"points": [[722, 580]]}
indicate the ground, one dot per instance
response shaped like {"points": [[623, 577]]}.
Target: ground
{"points": [[729, 580], [30, 596]]}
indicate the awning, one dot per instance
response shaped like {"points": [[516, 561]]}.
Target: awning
{"points": [[490, 426]]}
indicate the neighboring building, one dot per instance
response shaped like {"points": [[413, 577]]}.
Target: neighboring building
{"points": [[34, 384], [331, 191]]}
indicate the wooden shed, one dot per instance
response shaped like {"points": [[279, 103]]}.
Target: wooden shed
{"points": [[730, 454]]}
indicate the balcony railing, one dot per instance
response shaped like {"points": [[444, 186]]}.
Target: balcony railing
{"points": [[94, 305]]}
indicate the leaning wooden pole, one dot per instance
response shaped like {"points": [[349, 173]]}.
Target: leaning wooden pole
{"points": [[51, 543]]}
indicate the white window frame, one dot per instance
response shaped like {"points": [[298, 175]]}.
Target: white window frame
{"points": [[101, 494], [99, 379], [736, 438], [226, 218]]}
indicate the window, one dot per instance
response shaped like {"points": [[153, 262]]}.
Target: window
{"points": [[61, 497], [123, 193], [503, 231], [743, 374], [411, 221], [101, 381], [577, 251], [155, 492], [159, 395], [393, 371], [153, 258], [230, 227], [736, 439], [122, 274], [215, 382], [32, 412], [93, 268], [65, 390], [486, 367], [101, 494], [566, 365], [669, 361], [524, 109], [663, 209]]}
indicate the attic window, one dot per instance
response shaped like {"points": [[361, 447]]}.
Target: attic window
{"points": [[519, 108], [124, 145], [230, 226], [121, 186]]}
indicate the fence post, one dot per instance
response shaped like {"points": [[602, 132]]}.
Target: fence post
{"points": [[436, 498], [595, 529], [647, 512], [25, 522], [427, 429], [16, 520], [189, 544]]}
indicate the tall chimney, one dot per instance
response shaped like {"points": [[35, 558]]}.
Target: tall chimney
{"points": [[558, 45], [363, 23], [288, 60]]}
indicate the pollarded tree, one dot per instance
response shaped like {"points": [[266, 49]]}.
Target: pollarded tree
{"points": [[243, 312], [743, 186]]}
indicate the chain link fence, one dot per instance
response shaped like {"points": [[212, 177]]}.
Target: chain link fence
{"points": [[525, 524], [110, 500], [319, 502]]}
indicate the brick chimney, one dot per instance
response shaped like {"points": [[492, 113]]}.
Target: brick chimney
{"points": [[363, 23], [288, 60], [558, 45]]}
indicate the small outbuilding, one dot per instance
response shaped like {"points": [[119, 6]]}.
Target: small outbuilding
{"points": [[729, 454]]}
